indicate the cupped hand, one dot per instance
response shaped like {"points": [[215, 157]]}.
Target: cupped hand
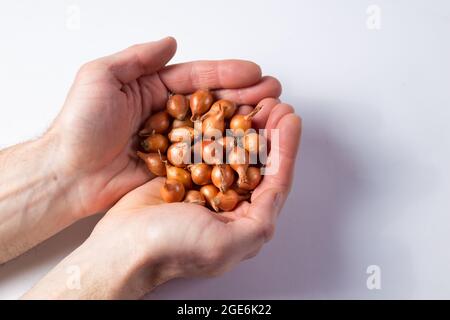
{"points": [[190, 240], [111, 98]]}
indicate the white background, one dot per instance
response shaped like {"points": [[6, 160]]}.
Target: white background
{"points": [[372, 184]]}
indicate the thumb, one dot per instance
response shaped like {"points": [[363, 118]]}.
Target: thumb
{"points": [[138, 60]]}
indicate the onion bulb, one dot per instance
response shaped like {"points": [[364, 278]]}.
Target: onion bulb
{"points": [[196, 197], [179, 154], [200, 102], [255, 143], [222, 177], [155, 143], [179, 174], [181, 134], [157, 123], [177, 106], [182, 123], [209, 192], [155, 162], [228, 200], [252, 181], [200, 173], [213, 124], [172, 191], [238, 159], [241, 122], [228, 107]]}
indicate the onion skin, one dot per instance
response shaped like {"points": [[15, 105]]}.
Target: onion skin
{"points": [[222, 177], [228, 143], [157, 123], [179, 174], [228, 107], [172, 191], [239, 161], [253, 179], [182, 123], [155, 143], [179, 154], [254, 143], [212, 152], [196, 197], [155, 162], [181, 134], [227, 201], [200, 102], [213, 124], [177, 106], [209, 192], [243, 122], [200, 173]]}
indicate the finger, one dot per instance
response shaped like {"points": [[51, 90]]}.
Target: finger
{"points": [[279, 171], [277, 112], [267, 87], [137, 60], [187, 77], [260, 119]]}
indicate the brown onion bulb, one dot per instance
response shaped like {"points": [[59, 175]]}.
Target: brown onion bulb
{"points": [[228, 107], [200, 102], [179, 174], [227, 142], [185, 134], [182, 123], [228, 200], [172, 191], [254, 143], [222, 177], [177, 106], [240, 191], [239, 159], [209, 192], [212, 152], [200, 173], [196, 197], [213, 124], [157, 123], [243, 122], [155, 143], [155, 162], [179, 154], [252, 181]]}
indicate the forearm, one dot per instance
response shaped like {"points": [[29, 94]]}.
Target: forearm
{"points": [[34, 197], [102, 269]]}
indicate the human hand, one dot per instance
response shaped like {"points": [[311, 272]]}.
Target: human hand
{"points": [[142, 242], [112, 97]]}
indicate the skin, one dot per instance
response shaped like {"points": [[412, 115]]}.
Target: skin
{"points": [[86, 163]]}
